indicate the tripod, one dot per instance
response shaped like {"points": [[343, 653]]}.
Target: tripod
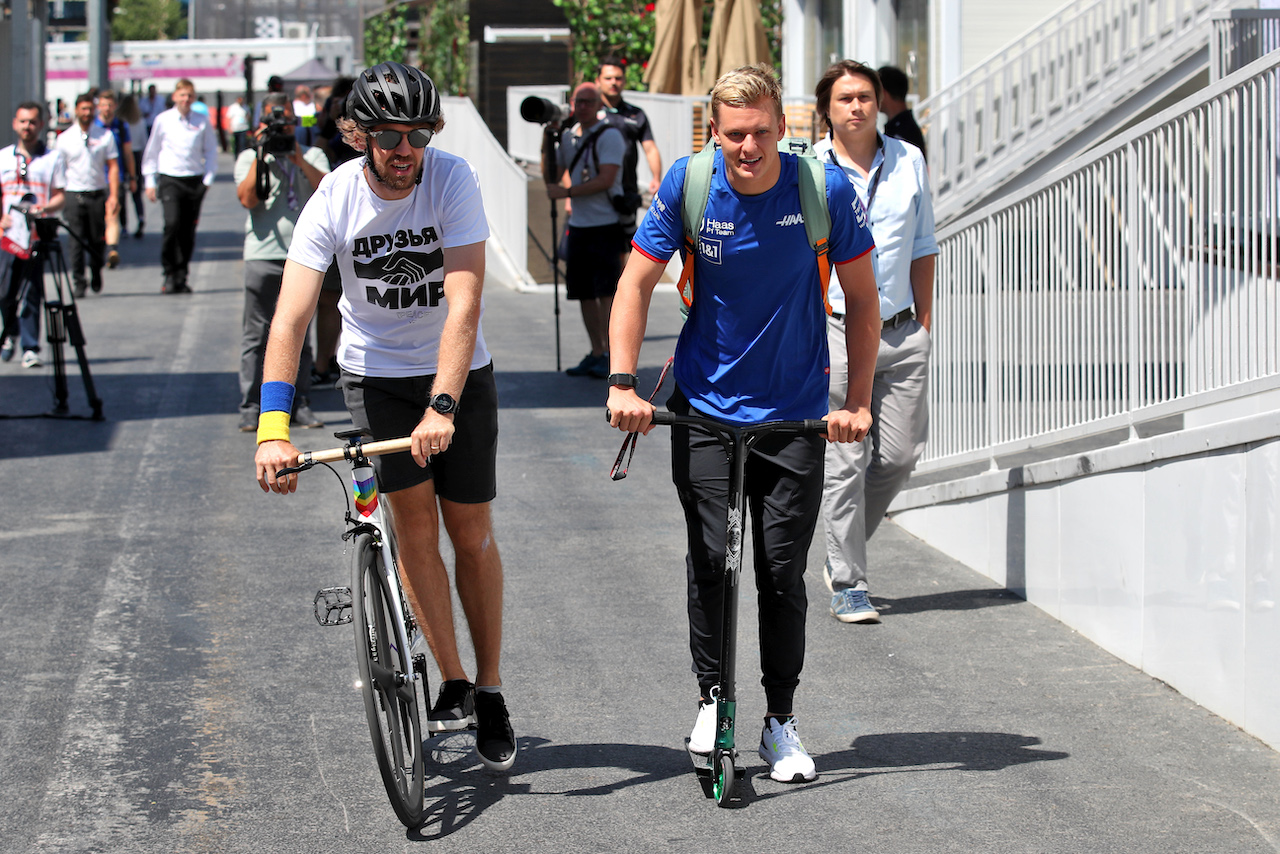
{"points": [[62, 322]]}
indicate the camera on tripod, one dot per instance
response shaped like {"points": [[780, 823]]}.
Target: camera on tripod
{"points": [[46, 227], [277, 134]]}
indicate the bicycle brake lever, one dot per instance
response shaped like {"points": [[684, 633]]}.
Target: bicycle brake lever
{"points": [[294, 469]]}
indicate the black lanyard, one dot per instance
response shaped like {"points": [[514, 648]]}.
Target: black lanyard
{"points": [[875, 181]]}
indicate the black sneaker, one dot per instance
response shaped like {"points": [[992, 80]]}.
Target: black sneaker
{"points": [[248, 421], [495, 740], [583, 368], [455, 707]]}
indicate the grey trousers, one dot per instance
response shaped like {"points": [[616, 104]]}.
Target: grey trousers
{"points": [[862, 479], [261, 290]]}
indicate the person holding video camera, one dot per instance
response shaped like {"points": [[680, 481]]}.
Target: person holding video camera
{"points": [[591, 152], [32, 181], [274, 178]]}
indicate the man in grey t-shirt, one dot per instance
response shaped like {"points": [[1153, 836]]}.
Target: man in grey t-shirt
{"points": [[591, 153], [273, 187]]}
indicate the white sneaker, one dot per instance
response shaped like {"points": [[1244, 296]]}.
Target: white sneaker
{"points": [[780, 746], [703, 737], [30, 359]]}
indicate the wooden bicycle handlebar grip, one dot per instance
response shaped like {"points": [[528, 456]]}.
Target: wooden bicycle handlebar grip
{"points": [[372, 449]]}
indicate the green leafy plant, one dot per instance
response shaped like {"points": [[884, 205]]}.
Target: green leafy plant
{"points": [[626, 28], [386, 36], [147, 20], [443, 45]]}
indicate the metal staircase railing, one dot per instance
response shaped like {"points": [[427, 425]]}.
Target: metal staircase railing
{"points": [[1137, 283], [1049, 85]]}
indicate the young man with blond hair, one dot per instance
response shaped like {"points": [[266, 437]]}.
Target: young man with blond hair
{"points": [[754, 349], [178, 167]]}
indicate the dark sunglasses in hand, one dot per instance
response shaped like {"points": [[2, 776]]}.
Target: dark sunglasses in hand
{"points": [[388, 140]]}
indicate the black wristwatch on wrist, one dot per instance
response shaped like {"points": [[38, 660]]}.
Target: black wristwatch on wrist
{"points": [[624, 380], [445, 404]]}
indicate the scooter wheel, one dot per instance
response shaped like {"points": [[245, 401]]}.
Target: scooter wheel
{"points": [[726, 776]]}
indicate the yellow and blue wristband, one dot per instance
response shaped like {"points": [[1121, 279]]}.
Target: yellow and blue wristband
{"points": [[277, 407]]}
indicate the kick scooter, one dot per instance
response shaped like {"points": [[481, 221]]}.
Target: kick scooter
{"points": [[719, 770]]}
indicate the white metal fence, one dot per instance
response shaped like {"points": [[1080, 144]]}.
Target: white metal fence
{"points": [[1049, 84], [503, 184], [1240, 37], [1141, 284]]}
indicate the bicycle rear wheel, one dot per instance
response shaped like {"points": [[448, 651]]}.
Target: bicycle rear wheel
{"points": [[390, 694]]}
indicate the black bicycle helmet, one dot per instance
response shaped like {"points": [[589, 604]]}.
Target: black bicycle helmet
{"points": [[391, 93]]}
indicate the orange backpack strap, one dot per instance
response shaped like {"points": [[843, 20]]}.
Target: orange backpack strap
{"points": [[824, 271], [685, 285]]}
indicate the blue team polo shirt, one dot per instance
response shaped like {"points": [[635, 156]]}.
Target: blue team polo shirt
{"points": [[755, 345]]}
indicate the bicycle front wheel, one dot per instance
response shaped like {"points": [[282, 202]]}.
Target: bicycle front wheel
{"points": [[386, 679]]}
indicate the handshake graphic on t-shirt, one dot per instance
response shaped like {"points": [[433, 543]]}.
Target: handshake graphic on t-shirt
{"points": [[401, 269]]}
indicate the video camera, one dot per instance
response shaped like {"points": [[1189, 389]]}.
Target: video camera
{"points": [[276, 138], [46, 227], [541, 111]]}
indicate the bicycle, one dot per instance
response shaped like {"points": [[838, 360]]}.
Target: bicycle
{"points": [[393, 676], [720, 769]]}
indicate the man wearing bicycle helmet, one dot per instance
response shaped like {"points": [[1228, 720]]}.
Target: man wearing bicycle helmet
{"points": [[407, 228]]}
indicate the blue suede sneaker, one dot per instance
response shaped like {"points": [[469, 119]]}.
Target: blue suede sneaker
{"points": [[853, 606]]}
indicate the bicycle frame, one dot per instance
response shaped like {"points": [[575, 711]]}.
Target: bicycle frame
{"points": [[393, 676], [370, 513]]}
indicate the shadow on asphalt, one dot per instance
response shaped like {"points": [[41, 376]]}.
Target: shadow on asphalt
{"points": [[899, 752], [952, 600], [463, 789], [125, 397], [557, 390]]}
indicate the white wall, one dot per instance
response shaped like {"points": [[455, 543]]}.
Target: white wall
{"points": [[989, 25], [503, 185], [1163, 551]]}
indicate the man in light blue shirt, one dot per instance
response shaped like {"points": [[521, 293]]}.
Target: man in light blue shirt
{"points": [[893, 184]]}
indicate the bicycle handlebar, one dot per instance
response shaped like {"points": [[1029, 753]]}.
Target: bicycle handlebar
{"points": [[372, 449], [307, 459]]}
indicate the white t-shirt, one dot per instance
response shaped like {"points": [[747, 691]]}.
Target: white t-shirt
{"points": [[87, 153], [390, 255], [237, 117], [43, 175]]}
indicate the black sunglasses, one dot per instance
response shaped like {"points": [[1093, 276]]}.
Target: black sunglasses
{"points": [[389, 140]]}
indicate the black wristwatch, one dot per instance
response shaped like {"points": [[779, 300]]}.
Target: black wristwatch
{"points": [[624, 380], [445, 404]]}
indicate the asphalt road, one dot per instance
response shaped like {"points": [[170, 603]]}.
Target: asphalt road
{"points": [[166, 687]]}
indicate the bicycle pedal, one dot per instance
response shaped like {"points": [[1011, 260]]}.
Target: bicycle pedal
{"points": [[333, 606]]}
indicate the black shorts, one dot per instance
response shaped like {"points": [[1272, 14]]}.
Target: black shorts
{"points": [[595, 262], [390, 407]]}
